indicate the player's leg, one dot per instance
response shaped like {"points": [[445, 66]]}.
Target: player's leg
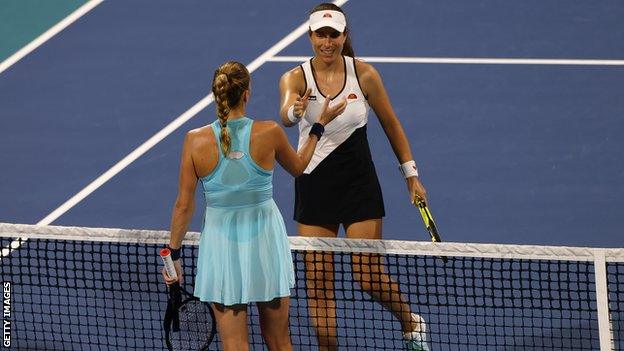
{"points": [[320, 287], [370, 272], [232, 326], [274, 323]]}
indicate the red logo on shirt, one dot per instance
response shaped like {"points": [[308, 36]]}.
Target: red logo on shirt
{"points": [[327, 15], [352, 96]]}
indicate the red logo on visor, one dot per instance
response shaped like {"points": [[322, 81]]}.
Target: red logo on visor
{"points": [[327, 15], [352, 96]]}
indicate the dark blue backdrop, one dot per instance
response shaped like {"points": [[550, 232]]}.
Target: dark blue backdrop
{"points": [[509, 153]]}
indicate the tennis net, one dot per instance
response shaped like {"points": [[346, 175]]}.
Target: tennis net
{"points": [[72, 288]]}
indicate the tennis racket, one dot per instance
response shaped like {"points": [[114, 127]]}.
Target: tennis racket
{"points": [[189, 323], [429, 222]]}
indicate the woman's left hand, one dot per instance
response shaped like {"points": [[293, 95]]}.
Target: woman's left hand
{"points": [[415, 187], [178, 268]]}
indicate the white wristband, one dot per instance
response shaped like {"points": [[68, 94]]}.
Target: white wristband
{"points": [[409, 169], [291, 115]]}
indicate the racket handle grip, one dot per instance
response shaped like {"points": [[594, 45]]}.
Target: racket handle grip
{"points": [[165, 254]]}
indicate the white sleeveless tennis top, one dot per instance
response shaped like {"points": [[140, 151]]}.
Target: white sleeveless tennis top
{"points": [[338, 130]]}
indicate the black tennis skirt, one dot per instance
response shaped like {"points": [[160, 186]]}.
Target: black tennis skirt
{"points": [[343, 188]]}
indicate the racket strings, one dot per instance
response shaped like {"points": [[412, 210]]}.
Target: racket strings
{"points": [[196, 326]]}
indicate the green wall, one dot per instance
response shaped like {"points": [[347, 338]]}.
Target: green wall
{"points": [[21, 21]]}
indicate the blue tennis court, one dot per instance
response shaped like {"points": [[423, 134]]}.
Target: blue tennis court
{"points": [[510, 153], [514, 110]]}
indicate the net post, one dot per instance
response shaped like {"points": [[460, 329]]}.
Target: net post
{"points": [[602, 300]]}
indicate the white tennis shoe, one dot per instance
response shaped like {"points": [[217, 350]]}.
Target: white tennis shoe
{"points": [[416, 339]]}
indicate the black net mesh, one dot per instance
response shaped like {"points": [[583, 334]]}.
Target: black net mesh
{"points": [[615, 282], [92, 295]]}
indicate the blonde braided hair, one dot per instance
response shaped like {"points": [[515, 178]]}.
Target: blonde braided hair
{"points": [[230, 82]]}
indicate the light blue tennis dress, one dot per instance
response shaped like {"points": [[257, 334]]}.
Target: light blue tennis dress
{"points": [[244, 255]]}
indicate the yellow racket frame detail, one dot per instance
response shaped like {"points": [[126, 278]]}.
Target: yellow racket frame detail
{"points": [[427, 219]]}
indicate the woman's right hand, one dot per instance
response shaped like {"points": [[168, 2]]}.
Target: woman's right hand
{"points": [[329, 113], [178, 268], [301, 104]]}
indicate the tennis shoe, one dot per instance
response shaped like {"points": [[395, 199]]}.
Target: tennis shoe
{"points": [[416, 339]]}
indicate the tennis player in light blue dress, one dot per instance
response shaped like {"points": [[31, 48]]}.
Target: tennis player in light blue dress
{"points": [[244, 254]]}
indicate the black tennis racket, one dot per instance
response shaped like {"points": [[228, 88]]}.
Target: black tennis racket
{"points": [[429, 222], [427, 219], [189, 323]]}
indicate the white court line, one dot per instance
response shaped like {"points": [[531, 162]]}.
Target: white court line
{"points": [[81, 11], [156, 138], [467, 60]]}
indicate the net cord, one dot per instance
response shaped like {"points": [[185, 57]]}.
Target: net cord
{"points": [[502, 251]]}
